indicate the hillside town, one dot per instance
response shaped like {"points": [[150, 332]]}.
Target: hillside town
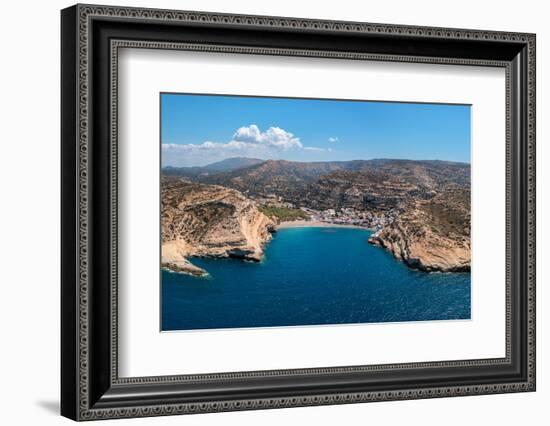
{"points": [[349, 216]]}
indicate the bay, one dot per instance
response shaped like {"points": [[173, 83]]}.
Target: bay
{"points": [[311, 276]]}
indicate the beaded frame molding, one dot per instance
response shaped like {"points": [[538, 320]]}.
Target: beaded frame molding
{"points": [[91, 39]]}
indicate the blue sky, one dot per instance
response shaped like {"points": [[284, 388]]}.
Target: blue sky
{"points": [[200, 129]]}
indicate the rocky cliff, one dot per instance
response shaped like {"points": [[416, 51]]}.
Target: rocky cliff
{"points": [[431, 235], [209, 220]]}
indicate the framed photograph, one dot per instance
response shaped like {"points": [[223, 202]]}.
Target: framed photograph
{"points": [[263, 212]]}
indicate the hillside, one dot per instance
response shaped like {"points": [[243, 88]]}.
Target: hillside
{"points": [[364, 184]]}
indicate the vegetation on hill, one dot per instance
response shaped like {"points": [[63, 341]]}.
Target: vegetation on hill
{"points": [[282, 214]]}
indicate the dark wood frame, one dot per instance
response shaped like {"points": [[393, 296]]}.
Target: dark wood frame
{"points": [[90, 386]]}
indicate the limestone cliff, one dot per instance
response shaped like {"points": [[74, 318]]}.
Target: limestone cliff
{"points": [[211, 221], [431, 235]]}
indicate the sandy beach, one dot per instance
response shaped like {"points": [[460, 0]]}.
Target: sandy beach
{"points": [[316, 224]]}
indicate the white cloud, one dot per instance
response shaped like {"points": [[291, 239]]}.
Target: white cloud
{"points": [[274, 136], [333, 139], [247, 134], [315, 149], [247, 141]]}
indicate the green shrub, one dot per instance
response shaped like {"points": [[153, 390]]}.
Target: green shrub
{"points": [[282, 213]]}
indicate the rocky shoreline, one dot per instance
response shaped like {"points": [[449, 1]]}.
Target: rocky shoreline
{"points": [[429, 237], [432, 259], [209, 221]]}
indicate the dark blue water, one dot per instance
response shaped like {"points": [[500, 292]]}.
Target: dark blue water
{"points": [[311, 276]]}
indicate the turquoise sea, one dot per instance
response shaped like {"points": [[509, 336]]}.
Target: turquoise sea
{"points": [[311, 276]]}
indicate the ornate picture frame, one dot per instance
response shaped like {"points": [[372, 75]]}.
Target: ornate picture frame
{"points": [[91, 37]]}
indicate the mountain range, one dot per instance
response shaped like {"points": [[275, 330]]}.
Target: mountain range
{"points": [[335, 184], [227, 165]]}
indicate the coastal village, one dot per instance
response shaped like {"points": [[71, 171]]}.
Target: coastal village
{"points": [[345, 216], [349, 216]]}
